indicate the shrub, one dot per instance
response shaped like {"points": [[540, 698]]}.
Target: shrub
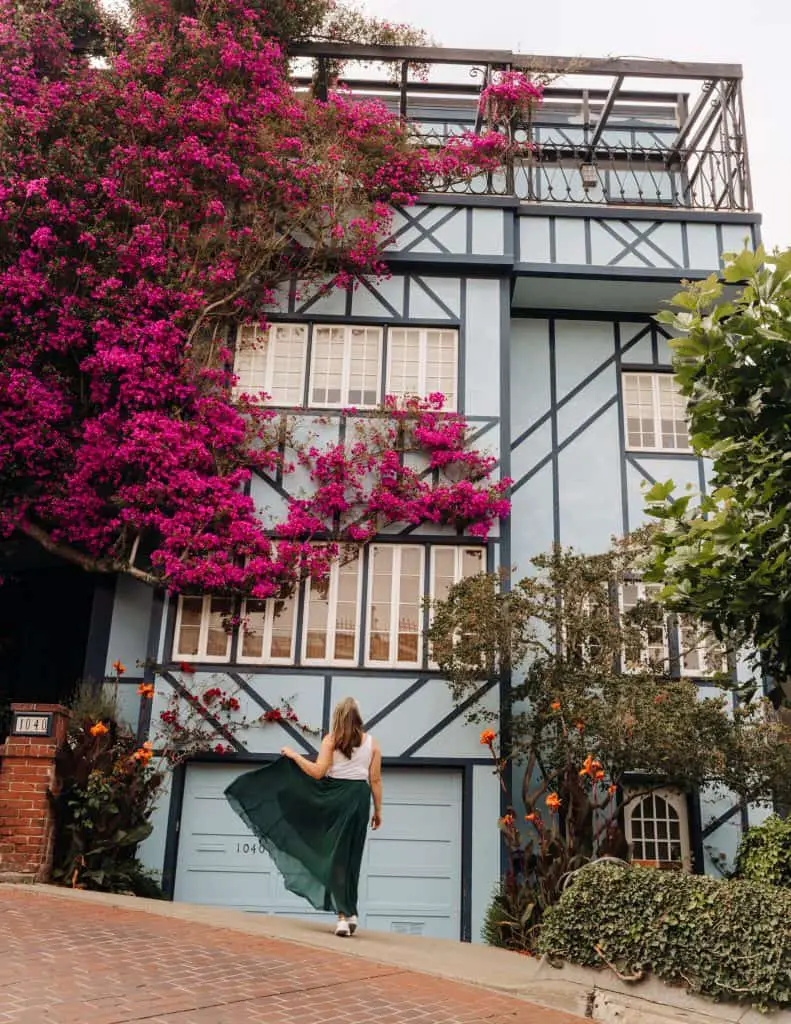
{"points": [[104, 798], [765, 852], [725, 939]]}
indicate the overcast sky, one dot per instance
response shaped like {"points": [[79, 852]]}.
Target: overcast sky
{"points": [[754, 33]]}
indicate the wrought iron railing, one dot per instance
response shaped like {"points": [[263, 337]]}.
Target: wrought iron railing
{"points": [[683, 146]]}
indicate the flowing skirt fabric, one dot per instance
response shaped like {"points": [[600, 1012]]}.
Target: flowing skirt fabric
{"points": [[313, 829]]}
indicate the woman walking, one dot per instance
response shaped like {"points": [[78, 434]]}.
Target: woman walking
{"points": [[312, 816]]}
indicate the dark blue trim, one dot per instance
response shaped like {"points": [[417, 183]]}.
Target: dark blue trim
{"points": [[468, 231], [450, 764], [584, 272], [326, 706], [295, 734], [457, 712], [206, 715], [365, 568], [567, 210], [152, 654], [720, 820], [461, 353], [536, 313], [467, 802], [97, 646], [554, 454], [621, 431], [170, 861], [505, 566], [455, 317], [402, 698], [694, 816]]}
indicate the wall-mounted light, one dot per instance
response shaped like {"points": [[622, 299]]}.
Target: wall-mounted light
{"points": [[589, 175]]}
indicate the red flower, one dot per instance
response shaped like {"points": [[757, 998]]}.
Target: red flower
{"points": [[186, 667], [119, 668]]}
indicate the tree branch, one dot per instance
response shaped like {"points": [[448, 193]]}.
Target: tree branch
{"points": [[79, 558]]}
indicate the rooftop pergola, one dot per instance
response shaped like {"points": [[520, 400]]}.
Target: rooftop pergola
{"points": [[697, 156]]}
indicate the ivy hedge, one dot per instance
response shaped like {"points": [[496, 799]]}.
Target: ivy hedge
{"points": [[725, 939], [765, 852]]}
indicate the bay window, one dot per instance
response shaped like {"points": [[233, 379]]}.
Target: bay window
{"points": [[332, 614], [655, 413], [346, 366], [422, 361], [272, 361], [201, 630]]}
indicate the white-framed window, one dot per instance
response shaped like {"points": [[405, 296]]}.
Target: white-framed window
{"points": [[422, 361], [655, 413], [268, 630], [273, 361], [449, 566], [346, 366], [395, 606], [657, 829], [201, 632], [701, 654], [652, 648], [332, 614]]}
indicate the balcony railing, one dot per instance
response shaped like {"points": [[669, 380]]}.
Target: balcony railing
{"points": [[663, 134]]}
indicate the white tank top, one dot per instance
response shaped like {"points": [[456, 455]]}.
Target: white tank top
{"points": [[357, 766]]}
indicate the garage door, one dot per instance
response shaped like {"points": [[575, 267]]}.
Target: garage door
{"points": [[411, 871]]}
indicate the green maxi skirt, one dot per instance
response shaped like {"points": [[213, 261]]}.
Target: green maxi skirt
{"points": [[313, 829]]}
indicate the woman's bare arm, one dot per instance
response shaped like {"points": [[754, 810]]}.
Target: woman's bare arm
{"points": [[375, 779], [315, 769]]}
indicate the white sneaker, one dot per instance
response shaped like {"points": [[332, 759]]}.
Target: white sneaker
{"points": [[352, 924], [343, 930]]}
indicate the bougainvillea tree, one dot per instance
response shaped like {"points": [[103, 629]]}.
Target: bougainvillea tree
{"points": [[148, 200]]}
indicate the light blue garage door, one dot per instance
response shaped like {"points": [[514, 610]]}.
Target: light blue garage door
{"points": [[411, 874]]}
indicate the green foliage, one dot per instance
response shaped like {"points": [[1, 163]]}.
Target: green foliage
{"points": [[725, 939], [725, 557], [103, 800], [765, 852]]}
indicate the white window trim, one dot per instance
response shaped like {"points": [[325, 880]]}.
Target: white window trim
{"points": [[203, 635], [422, 391], [332, 617], [676, 799], [654, 375], [263, 659], [395, 593], [344, 402]]}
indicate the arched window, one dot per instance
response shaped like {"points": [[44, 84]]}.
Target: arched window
{"points": [[657, 829]]}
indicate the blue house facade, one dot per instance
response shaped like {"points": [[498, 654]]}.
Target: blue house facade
{"points": [[526, 295]]}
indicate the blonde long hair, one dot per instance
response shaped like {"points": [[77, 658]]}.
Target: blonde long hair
{"points": [[347, 726]]}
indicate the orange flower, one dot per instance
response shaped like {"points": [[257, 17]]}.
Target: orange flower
{"points": [[591, 766], [598, 776], [99, 729], [555, 705], [531, 817], [146, 690], [507, 821], [144, 753], [488, 737], [553, 802], [612, 790], [119, 668]]}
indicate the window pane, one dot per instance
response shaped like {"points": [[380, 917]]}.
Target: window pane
{"points": [[638, 393], [327, 374], [441, 365], [189, 631], [250, 359], [346, 610], [283, 614], [364, 356], [318, 617], [444, 572], [409, 607], [289, 350], [218, 640], [380, 606], [404, 356], [253, 633], [472, 562]]}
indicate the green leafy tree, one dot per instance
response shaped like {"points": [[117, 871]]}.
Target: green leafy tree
{"points": [[724, 557], [588, 710]]}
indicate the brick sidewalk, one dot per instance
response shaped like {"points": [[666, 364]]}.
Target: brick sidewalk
{"points": [[67, 962]]}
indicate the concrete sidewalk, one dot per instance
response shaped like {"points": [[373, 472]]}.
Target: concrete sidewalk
{"points": [[504, 983]]}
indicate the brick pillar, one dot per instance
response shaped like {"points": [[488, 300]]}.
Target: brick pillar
{"points": [[27, 773]]}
